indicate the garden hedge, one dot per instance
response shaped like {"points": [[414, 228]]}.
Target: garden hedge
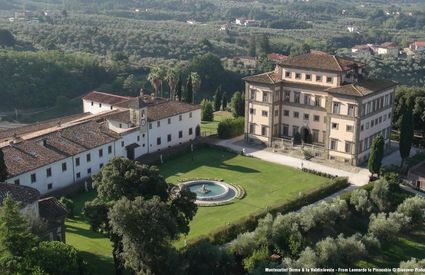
{"points": [[231, 127]]}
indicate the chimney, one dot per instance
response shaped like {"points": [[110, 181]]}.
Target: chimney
{"points": [[59, 124]]}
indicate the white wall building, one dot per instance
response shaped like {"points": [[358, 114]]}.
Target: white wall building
{"points": [[58, 153]]}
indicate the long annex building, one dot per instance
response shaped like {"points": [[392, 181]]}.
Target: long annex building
{"points": [[57, 153], [323, 99]]}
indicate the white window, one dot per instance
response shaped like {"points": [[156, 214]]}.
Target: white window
{"points": [[334, 144], [349, 128], [336, 107]]}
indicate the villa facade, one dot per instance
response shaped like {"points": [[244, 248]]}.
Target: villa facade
{"points": [[320, 99], [55, 154]]}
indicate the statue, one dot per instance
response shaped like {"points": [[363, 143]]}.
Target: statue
{"points": [[203, 189]]}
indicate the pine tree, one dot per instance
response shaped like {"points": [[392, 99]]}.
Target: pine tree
{"points": [[217, 99], [3, 168], [376, 155], [252, 47], [406, 132], [189, 90], [178, 92], [16, 238]]}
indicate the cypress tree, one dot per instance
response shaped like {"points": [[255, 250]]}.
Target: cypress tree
{"points": [[376, 155], [178, 91], [3, 168], [406, 133], [217, 99], [224, 101], [189, 90]]}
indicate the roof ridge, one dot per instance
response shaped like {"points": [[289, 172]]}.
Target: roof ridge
{"points": [[355, 88], [103, 93], [337, 62]]}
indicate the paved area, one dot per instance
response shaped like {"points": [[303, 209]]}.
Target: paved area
{"points": [[411, 190]]}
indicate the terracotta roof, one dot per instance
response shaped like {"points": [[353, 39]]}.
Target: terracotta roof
{"points": [[23, 194], [39, 126], [388, 45], [266, 78], [123, 116], [320, 61], [51, 209], [420, 43], [31, 154], [363, 88], [105, 98], [276, 56], [169, 108], [362, 47]]}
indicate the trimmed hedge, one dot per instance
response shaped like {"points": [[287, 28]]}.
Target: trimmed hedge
{"points": [[227, 233], [231, 127], [318, 173]]}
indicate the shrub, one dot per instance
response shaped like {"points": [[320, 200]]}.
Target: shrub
{"points": [[412, 264], [307, 259], [205, 258], [360, 200], [258, 257], [58, 258], [207, 112], [371, 243], [414, 208], [69, 205], [383, 228], [380, 195], [231, 127], [340, 252]]}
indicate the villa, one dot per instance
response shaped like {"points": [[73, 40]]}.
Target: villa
{"points": [[320, 99], [60, 153]]}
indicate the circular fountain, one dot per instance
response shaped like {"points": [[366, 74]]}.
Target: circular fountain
{"points": [[210, 192]]}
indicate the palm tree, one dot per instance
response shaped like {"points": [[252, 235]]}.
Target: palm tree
{"points": [[196, 83], [171, 78], [162, 73], [154, 78]]}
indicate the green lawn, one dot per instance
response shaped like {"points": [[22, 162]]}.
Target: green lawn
{"points": [[209, 128], [95, 247], [400, 250], [265, 184]]}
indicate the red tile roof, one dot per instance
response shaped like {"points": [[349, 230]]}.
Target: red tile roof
{"points": [[31, 154], [168, 109], [363, 88], [276, 56], [320, 61], [420, 43], [265, 78], [105, 98]]}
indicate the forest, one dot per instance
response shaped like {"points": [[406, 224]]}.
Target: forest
{"points": [[70, 48]]}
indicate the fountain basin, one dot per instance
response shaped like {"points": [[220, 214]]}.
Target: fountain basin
{"points": [[210, 192]]}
